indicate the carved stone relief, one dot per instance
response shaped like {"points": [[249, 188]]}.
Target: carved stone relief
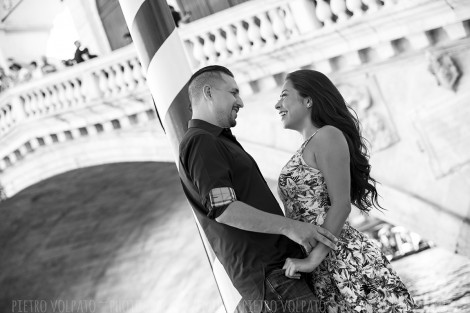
{"points": [[443, 68], [364, 98]]}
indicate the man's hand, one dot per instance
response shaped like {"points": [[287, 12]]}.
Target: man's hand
{"points": [[308, 235]]}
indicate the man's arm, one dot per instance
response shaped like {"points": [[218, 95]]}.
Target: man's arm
{"points": [[243, 216]]}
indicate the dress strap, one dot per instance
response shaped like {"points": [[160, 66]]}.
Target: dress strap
{"points": [[307, 141]]}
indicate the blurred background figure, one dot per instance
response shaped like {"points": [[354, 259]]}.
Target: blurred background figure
{"points": [[82, 54], [178, 18], [47, 67]]}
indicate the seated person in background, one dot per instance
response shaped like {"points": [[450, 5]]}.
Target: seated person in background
{"points": [[15, 68], [68, 62], [82, 54], [47, 67], [177, 16]]}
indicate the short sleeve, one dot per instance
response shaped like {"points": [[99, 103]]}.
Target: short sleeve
{"points": [[208, 167]]}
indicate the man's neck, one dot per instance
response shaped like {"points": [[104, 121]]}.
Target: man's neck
{"points": [[204, 118]]}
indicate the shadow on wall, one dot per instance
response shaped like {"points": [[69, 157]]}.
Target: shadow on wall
{"points": [[113, 235]]}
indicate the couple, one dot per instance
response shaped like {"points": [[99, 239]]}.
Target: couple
{"points": [[272, 259]]}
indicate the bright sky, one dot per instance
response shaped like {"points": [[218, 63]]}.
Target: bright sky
{"points": [[62, 36]]}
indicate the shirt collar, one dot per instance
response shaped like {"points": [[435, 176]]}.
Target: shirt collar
{"points": [[213, 129]]}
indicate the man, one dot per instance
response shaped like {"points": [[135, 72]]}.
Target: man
{"points": [[177, 18], [234, 205], [82, 55]]}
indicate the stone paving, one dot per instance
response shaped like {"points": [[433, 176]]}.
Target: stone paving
{"points": [[111, 238]]}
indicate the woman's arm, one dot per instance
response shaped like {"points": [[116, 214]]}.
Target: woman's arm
{"points": [[331, 157]]}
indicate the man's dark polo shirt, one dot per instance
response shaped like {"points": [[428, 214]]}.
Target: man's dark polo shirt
{"points": [[211, 157]]}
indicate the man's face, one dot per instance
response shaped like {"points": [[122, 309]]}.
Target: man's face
{"points": [[226, 102]]}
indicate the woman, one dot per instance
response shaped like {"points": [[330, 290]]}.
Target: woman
{"points": [[329, 172]]}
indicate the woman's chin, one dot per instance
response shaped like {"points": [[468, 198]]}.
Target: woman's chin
{"points": [[286, 125]]}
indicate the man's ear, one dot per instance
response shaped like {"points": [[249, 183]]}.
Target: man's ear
{"points": [[206, 91]]}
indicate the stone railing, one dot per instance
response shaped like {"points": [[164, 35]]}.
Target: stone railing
{"points": [[236, 33], [111, 78], [252, 28], [259, 40]]}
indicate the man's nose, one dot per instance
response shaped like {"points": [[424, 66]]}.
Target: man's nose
{"points": [[240, 102]]}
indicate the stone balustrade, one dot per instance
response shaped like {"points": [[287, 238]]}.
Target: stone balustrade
{"points": [[257, 40], [112, 78], [251, 28], [236, 33], [76, 102]]}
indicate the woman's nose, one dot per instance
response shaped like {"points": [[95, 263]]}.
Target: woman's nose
{"points": [[277, 106]]}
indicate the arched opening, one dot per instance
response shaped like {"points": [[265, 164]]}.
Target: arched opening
{"points": [[114, 23], [120, 232]]}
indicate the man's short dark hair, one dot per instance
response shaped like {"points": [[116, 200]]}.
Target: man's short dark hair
{"points": [[203, 76]]}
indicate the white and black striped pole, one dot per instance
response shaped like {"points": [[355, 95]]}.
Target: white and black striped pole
{"points": [[167, 70]]}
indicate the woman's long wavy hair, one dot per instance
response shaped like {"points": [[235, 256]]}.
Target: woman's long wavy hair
{"points": [[329, 108]]}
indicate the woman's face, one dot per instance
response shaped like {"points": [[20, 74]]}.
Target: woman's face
{"points": [[292, 108]]}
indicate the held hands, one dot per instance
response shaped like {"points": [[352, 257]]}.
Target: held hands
{"points": [[293, 267], [308, 235]]}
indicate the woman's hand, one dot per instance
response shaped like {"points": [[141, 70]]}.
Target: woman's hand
{"points": [[294, 267]]}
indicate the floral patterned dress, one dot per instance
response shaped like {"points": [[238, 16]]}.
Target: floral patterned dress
{"points": [[356, 277]]}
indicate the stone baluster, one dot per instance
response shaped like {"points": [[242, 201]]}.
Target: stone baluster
{"points": [[54, 97], [26, 104], [254, 34], [103, 83], [17, 109], [137, 73], [3, 121], [277, 27], [120, 85], [231, 39], [41, 105], [323, 12], [266, 29], [127, 76], [220, 44], [112, 85], [48, 99], [209, 48], [372, 5], [33, 104], [305, 12], [338, 7], [289, 21], [69, 93], [78, 92], [242, 38], [355, 6], [64, 104], [198, 51]]}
